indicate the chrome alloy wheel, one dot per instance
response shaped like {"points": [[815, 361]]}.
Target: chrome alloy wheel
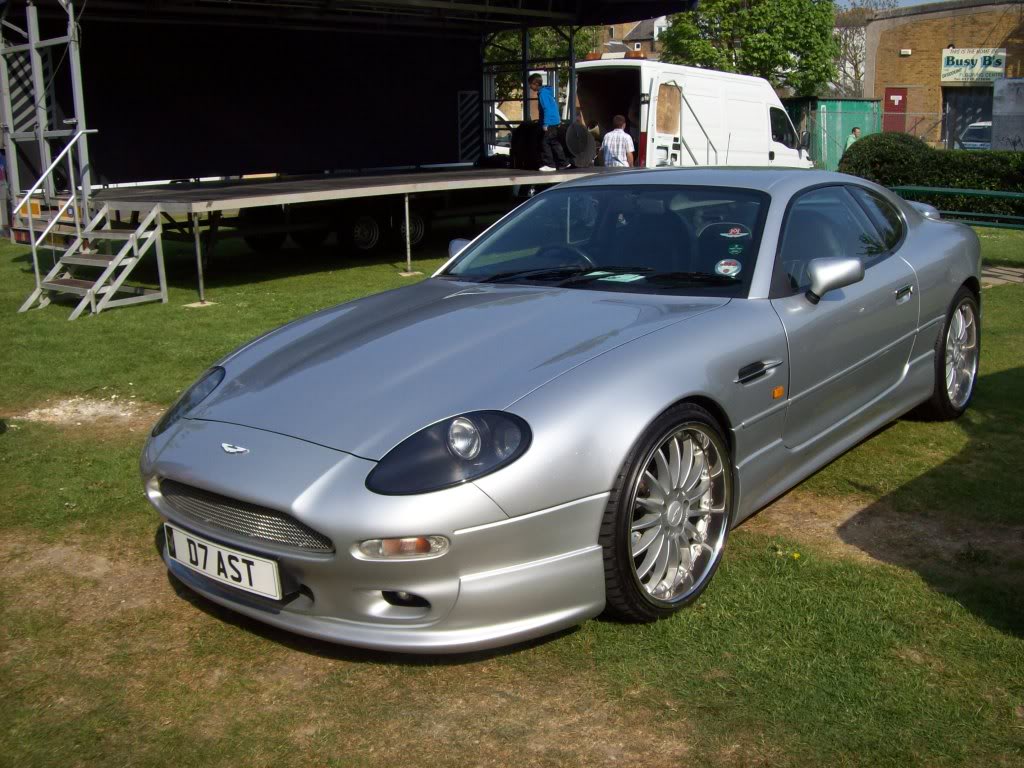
{"points": [[961, 354], [679, 514]]}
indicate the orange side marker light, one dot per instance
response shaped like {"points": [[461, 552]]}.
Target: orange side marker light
{"points": [[778, 392]]}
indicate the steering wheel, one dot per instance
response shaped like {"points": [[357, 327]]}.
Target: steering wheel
{"points": [[578, 256]]}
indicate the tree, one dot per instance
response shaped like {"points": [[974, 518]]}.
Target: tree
{"points": [[790, 43], [547, 44], [851, 23]]}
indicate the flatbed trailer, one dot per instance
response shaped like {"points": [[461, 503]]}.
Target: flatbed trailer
{"points": [[200, 212]]}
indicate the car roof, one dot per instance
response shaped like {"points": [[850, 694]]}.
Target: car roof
{"points": [[770, 180]]}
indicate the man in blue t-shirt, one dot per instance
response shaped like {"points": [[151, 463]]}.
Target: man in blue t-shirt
{"points": [[551, 145]]}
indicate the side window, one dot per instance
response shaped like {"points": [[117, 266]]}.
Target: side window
{"points": [[824, 223], [782, 129], [884, 216]]}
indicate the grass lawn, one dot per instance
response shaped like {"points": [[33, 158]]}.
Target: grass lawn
{"points": [[873, 617]]}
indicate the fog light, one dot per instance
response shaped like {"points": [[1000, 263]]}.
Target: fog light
{"points": [[404, 599], [404, 548]]}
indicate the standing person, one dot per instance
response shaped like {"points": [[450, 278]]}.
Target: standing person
{"points": [[617, 148], [854, 135], [551, 145]]}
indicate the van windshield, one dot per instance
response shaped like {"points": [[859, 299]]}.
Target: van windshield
{"points": [[636, 239]]}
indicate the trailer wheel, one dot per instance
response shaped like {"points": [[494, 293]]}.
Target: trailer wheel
{"points": [[363, 231], [252, 220], [419, 228]]}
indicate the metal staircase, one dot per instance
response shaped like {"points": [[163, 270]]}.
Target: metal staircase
{"points": [[98, 262]]}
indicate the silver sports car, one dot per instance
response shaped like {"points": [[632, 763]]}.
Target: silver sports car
{"points": [[570, 415]]}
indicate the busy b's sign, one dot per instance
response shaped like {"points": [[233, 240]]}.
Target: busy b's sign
{"points": [[973, 65]]}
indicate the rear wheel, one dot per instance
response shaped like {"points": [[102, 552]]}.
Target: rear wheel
{"points": [[668, 516], [957, 352], [363, 231]]}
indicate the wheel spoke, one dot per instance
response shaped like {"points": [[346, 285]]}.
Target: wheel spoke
{"points": [[661, 564], [646, 540], [700, 462], [645, 522], [674, 462], [664, 475], [652, 555], [654, 487], [655, 505]]}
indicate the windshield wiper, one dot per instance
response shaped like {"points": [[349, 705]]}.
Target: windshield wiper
{"points": [[692, 277], [535, 274]]}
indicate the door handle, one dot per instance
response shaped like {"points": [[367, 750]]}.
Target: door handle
{"points": [[904, 292], [771, 154], [754, 371]]}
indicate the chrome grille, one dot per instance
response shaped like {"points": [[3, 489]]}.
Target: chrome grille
{"points": [[242, 518]]}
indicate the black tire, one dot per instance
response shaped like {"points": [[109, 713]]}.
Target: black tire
{"points": [[362, 231], [627, 598], [419, 226], [939, 407], [266, 242], [263, 218], [309, 239]]}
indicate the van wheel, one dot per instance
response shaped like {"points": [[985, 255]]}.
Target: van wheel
{"points": [[252, 220]]}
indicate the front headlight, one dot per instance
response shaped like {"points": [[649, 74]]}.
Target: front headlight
{"points": [[450, 452], [193, 396]]}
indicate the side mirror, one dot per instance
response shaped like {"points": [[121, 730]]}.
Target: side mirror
{"points": [[457, 245], [805, 140], [830, 274]]}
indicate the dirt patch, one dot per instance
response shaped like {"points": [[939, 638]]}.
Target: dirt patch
{"points": [[524, 710], [114, 413], [875, 531]]}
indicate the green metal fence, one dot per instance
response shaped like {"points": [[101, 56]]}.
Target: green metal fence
{"points": [[1001, 220]]}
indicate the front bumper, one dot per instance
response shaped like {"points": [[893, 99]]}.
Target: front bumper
{"points": [[503, 580]]}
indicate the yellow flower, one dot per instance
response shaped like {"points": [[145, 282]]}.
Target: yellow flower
{"points": [[796, 555]]}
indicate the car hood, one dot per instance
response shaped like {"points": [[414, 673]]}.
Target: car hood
{"points": [[363, 376]]}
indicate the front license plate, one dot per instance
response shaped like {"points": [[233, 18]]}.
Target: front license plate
{"points": [[228, 566]]}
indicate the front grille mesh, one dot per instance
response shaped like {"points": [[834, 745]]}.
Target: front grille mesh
{"points": [[242, 518]]}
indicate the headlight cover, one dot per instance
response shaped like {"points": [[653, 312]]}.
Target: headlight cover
{"points": [[451, 452], [193, 396]]}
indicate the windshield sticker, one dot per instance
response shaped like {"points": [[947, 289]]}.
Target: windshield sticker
{"points": [[728, 267], [622, 278], [736, 231], [735, 249]]}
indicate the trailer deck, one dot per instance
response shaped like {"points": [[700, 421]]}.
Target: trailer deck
{"points": [[213, 197]]}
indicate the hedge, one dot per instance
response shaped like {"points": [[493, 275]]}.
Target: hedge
{"points": [[896, 159]]}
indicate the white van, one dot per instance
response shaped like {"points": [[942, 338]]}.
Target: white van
{"points": [[680, 116]]}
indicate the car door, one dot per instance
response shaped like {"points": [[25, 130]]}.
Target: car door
{"points": [[854, 345]]}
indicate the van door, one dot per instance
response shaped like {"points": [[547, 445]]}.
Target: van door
{"points": [[667, 114], [784, 146]]}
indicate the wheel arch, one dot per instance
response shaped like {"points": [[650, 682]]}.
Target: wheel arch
{"points": [[715, 409]]}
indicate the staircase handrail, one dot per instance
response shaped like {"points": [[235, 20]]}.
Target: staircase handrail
{"points": [[50, 168]]}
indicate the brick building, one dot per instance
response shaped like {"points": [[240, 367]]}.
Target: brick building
{"points": [[637, 36], [933, 65]]}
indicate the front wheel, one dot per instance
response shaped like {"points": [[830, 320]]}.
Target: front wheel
{"points": [[668, 516], [957, 353]]}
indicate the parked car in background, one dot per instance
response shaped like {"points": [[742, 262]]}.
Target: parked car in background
{"points": [[977, 136], [570, 415]]}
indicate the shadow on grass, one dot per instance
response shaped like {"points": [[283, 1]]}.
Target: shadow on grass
{"points": [[946, 524]]}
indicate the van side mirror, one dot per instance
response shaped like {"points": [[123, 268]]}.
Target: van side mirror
{"points": [[831, 274], [457, 245], [805, 140]]}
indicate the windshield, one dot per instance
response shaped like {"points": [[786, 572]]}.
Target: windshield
{"points": [[651, 239], [978, 133]]}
